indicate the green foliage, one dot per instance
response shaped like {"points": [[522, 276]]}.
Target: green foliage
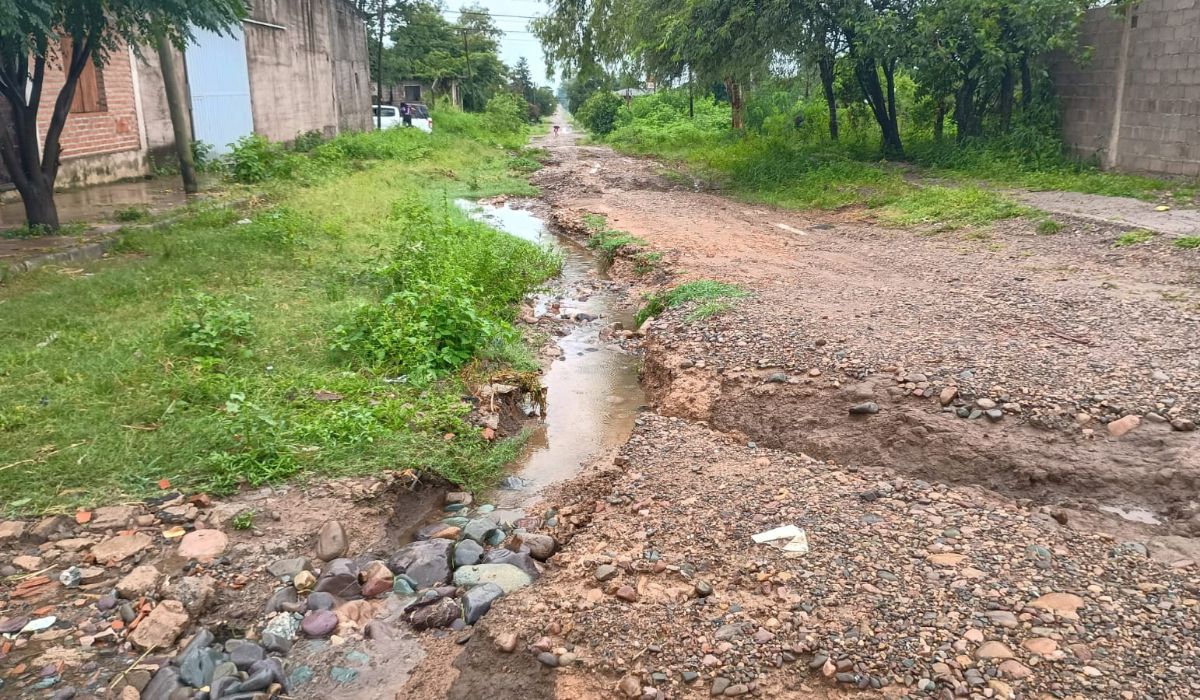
{"points": [[951, 207], [1187, 242], [204, 157], [1048, 227], [209, 326], [131, 214], [255, 159], [450, 287], [606, 240], [243, 520], [709, 296], [599, 112], [218, 392], [307, 141], [1134, 237], [506, 113]]}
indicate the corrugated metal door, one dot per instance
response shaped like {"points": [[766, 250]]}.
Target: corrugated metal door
{"points": [[219, 81]]}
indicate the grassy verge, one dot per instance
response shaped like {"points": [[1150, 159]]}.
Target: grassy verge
{"points": [[944, 184], [334, 334], [707, 298]]}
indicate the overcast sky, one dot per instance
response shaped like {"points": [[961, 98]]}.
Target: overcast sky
{"points": [[511, 16]]}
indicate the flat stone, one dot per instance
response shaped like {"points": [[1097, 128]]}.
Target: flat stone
{"points": [[161, 627], [204, 546], [26, 562], [112, 517], [1014, 669], [340, 578], [427, 562], [1122, 426], [320, 600], [1063, 604], [467, 552], [547, 658], [164, 683], [197, 593], [946, 559], [508, 577], [627, 594], [142, 581], [52, 527], [288, 568], [477, 601], [541, 547], [121, 547], [993, 650], [480, 529], [12, 530], [196, 664], [332, 542], [521, 560], [1003, 618], [948, 395], [440, 614], [864, 409], [605, 572], [319, 623], [246, 655], [1042, 646]]}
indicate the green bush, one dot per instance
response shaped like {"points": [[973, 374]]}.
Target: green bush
{"points": [[308, 140], [507, 113], [208, 326], [599, 112], [447, 294], [255, 159]]}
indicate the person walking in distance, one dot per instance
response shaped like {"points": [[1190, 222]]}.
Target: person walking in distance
{"points": [[556, 129], [406, 114]]}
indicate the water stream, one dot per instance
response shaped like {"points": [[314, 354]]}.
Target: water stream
{"points": [[593, 394]]}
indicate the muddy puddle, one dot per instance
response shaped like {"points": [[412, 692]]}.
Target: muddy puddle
{"points": [[592, 389], [101, 202]]}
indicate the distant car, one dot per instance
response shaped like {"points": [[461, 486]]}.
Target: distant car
{"points": [[388, 116]]}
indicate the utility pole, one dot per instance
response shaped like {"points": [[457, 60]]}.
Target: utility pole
{"points": [[691, 97], [175, 101], [467, 51], [379, 71]]}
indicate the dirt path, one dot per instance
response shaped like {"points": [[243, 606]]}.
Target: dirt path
{"points": [[943, 556], [1124, 211]]}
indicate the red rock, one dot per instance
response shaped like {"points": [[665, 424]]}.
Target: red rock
{"points": [[205, 546]]}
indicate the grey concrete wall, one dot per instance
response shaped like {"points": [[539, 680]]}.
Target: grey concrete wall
{"points": [[308, 70], [1135, 105]]}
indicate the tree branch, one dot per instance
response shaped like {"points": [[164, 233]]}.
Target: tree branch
{"points": [[62, 107]]}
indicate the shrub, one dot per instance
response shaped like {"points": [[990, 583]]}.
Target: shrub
{"points": [[279, 226], [131, 214], [599, 112], [308, 140], [506, 113], [255, 159], [1048, 227], [208, 326]]}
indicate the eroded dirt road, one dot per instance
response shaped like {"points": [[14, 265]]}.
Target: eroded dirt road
{"points": [[1013, 395]]}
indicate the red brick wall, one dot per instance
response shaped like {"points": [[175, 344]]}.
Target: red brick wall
{"points": [[113, 130]]}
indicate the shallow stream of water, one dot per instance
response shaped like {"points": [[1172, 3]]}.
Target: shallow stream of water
{"points": [[593, 394]]}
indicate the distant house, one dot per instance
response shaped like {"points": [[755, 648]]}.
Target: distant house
{"points": [[412, 90], [293, 66]]}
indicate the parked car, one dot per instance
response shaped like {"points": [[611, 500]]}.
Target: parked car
{"points": [[388, 116]]}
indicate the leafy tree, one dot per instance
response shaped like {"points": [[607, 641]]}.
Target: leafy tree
{"points": [[37, 36], [599, 112]]}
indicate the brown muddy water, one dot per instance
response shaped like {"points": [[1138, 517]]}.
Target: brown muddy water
{"points": [[593, 394], [101, 202]]}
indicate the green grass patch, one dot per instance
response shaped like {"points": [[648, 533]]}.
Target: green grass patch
{"points": [[606, 240], [131, 214], [709, 296], [1187, 242], [1135, 237], [209, 352], [950, 208], [1048, 227]]}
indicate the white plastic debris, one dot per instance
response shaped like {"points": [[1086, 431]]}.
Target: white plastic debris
{"points": [[42, 623], [789, 539]]}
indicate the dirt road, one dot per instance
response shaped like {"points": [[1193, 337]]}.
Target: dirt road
{"points": [[980, 444]]}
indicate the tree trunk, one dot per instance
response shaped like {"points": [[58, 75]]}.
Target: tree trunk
{"points": [[175, 100], [40, 209], [964, 111], [827, 76], [1026, 83], [939, 120], [736, 103], [882, 107], [1008, 86]]}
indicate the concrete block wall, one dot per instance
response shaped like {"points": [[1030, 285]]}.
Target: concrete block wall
{"points": [[1135, 103]]}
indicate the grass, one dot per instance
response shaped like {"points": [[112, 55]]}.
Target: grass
{"points": [[1187, 242], [610, 241], [1135, 237], [803, 169], [207, 352], [1048, 227], [131, 214], [709, 298]]}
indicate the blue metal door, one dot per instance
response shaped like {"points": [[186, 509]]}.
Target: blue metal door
{"points": [[219, 81]]}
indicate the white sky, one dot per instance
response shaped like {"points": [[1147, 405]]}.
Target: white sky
{"points": [[517, 40]]}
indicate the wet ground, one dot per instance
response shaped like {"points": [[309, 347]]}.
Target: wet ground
{"points": [[102, 202]]}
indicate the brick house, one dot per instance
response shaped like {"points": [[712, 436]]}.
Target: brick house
{"points": [[293, 66]]}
